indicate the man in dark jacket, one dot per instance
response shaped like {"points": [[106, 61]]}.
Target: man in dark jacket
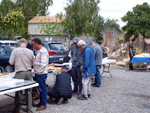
{"points": [[131, 53], [62, 90], [88, 70], [76, 55]]}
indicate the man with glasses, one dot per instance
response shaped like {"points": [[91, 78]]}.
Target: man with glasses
{"points": [[88, 70], [76, 55]]}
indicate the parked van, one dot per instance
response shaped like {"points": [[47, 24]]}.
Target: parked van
{"points": [[9, 42]]}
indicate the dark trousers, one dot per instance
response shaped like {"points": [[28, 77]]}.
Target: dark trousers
{"points": [[27, 75], [53, 94], [77, 78], [41, 79], [130, 64]]}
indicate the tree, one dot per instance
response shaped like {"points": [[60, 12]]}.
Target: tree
{"points": [[81, 17], [137, 21], [99, 30], [7, 6], [50, 28], [31, 8], [13, 23]]}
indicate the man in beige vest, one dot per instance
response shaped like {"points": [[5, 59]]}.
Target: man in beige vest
{"points": [[22, 58]]}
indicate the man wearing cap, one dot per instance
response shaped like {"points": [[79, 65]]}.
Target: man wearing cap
{"points": [[76, 55], [98, 62], [22, 58]]}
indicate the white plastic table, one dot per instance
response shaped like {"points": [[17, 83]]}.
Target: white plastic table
{"points": [[108, 62]]}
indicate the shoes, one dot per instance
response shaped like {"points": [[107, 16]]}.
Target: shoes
{"points": [[94, 85], [29, 111], [74, 91], [82, 98], [36, 96], [65, 101], [36, 105], [41, 108], [89, 95], [60, 100], [15, 111], [79, 93]]}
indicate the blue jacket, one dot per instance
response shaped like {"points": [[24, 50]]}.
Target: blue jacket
{"points": [[88, 61]]}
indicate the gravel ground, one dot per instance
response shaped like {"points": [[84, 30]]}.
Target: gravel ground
{"points": [[126, 92]]}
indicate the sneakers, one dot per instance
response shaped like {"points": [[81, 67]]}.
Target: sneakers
{"points": [[60, 100], [82, 98], [89, 95]]}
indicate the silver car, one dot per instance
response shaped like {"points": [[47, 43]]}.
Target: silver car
{"points": [[56, 51]]}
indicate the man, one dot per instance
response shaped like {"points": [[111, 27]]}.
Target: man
{"points": [[131, 52], [22, 58], [76, 55], [62, 89], [29, 45], [40, 69], [98, 61], [88, 69]]}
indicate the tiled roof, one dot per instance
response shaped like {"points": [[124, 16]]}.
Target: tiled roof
{"points": [[46, 19]]}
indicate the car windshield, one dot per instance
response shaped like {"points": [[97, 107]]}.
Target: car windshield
{"points": [[56, 46]]}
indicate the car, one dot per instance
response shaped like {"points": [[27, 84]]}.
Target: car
{"points": [[5, 52], [56, 51], [9, 42]]}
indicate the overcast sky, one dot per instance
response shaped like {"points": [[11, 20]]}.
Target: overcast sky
{"points": [[108, 8]]}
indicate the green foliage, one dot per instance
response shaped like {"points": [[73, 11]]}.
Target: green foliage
{"points": [[137, 21], [81, 17], [111, 24], [99, 30], [31, 8], [50, 28], [13, 23], [7, 6]]}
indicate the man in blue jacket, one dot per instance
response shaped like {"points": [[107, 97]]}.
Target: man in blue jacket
{"points": [[88, 70]]}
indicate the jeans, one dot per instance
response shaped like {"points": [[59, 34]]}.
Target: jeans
{"points": [[130, 64], [41, 79], [98, 76]]}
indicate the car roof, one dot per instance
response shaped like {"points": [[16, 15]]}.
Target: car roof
{"points": [[8, 41]]}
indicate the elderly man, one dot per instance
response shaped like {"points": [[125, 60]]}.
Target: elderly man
{"points": [[76, 55], [40, 69], [98, 61], [88, 69], [22, 58]]}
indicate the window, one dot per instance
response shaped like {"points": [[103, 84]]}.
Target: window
{"points": [[56, 46]]}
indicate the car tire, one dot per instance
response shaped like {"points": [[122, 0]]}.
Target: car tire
{"points": [[9, 68], [1, 69]]}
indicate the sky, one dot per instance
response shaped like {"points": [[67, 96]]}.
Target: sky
{"points": [[113, 9]]}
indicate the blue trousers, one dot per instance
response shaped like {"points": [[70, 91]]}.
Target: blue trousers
{"points": [[98, 76], [41, 79]]}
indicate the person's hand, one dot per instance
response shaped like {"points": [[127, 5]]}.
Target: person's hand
{"points": [[82, 74], [38, 74], [81, 68]]}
